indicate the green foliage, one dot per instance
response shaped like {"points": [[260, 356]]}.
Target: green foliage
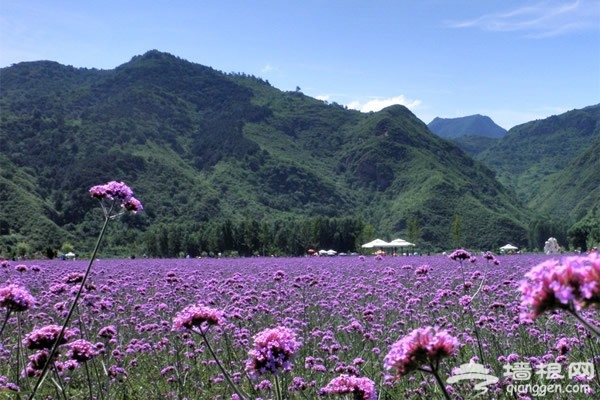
{"points": [[537, 158], [585, 234], [543, 228], [250, 237], [474, 145], [457, 231], [202, 148]]}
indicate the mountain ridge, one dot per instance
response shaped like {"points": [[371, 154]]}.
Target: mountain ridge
{"points": [[471, 125], [204, 149]]}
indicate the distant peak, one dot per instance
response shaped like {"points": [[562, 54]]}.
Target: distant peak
{"points": [[471, 125]]}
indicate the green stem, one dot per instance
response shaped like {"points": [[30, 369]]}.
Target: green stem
{"points": [[19, 352], [8, 311], [480, 285], [277, 389], [476, 331], [73, 305], [591, 328], [440, 383], [214, 356]]}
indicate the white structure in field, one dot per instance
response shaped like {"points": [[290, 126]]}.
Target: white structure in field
{"points": [[551, 246]]}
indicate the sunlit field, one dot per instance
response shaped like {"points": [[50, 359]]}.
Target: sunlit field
{"points": [[345, 313]]}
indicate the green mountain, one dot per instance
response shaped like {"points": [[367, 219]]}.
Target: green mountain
{"points": [[531, 157], [573, 192], [553, 166], [228, 162], [472, 125], [473, 134]]}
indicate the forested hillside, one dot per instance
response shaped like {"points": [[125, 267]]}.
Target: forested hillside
{"points": [[553, 165], [532, 156], [226, 162]]}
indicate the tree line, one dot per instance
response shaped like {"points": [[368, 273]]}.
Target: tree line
{"points": [[250, 237]]}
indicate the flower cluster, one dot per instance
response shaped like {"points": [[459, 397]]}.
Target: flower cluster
{"points": [[460, 255], [360, 388], [489, 256], [108, 332], [274, 350], [36, 363], [44, 337], [15, 298], [423, 346], [574, 282], [117, 191], [5, 385], [81, 350], [195, 315]]}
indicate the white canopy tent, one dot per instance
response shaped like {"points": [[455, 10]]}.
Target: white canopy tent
{"points": [[327, 252], [376, 243], [401, 243], [509, 247]]}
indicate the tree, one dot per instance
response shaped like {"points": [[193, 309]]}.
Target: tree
{"points": [[585, 233], [22, 249], [543, 228], [457, 231], [67, 248], [413, 230]]}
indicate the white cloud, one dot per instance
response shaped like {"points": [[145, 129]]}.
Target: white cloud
{"points": [[379, 104], [543, 19], [267, 68]]}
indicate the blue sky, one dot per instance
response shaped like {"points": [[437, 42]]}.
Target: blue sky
{"points": [[512, 60]]}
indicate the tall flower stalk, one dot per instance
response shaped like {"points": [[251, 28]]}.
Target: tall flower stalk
{"points": [[273, 353], [462, 255], [421, 350], [115, 199], [199, 319]]}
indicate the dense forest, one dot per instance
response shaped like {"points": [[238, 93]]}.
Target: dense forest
{"points": [[226, 163]]}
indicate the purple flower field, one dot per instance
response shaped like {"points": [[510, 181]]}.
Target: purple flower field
{"points": [[293, 328]]}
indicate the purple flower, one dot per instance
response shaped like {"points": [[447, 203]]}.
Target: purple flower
{"points": [[465, 301], [108, 332], [112, 191], [274, 350], [117, 191], [562, 346], [423, 346], [5, 385], [114, 371], [44, 337], [36, 363], [15, 298], [133, 205], [81, 350], [199, 316], [360, 388], [489, 256], [422, 270], [552, 284], [459, 255], [298, 384], [74, 277], [21, 268]]}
